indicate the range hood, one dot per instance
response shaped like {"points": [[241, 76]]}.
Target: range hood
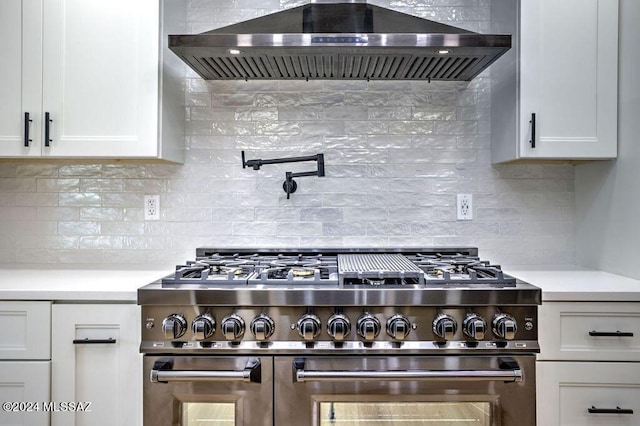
{"points": [[349, 40]]}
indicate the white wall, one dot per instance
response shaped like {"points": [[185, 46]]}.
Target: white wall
{"points": [[396, 154], [608, 193]]}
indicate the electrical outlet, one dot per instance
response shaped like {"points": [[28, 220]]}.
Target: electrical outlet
{"points": [[465, 207], [151, 207]]}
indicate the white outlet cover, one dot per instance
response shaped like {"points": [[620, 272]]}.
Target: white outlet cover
{"points": [[464, 207], [151, 207]]}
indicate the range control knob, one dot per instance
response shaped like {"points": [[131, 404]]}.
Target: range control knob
{"points": [[174, 326], [474, 326], [398, 327], [338, 326], [232, 327], [262, 327], [505, 327], [444, 326], [368, 326], [203, 326], [309, 327]]}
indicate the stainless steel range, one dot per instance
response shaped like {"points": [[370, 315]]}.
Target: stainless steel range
{"points": [[339, 336]]}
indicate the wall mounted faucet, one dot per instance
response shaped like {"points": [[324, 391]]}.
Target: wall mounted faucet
{"points": [[290, 186]]}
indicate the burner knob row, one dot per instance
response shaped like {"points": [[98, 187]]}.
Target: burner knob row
{"points": [[309, 326], [204, 325], [474, 326]]}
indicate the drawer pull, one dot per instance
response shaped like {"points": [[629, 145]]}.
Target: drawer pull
{"points": [[617, 410], [594, 333], [93, 341]]}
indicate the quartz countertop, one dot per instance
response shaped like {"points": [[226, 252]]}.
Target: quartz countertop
{"points": [[113, 283], [565, 284], [102, 283]]}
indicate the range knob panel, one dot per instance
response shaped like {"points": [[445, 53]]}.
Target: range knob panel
{"points": [[368, 327], [203, 326], [262, 327], [474, 326], [309, 327], [444, 326], [398, 327], [232, 327], [338, 326], [174, 326], [505, 327]]}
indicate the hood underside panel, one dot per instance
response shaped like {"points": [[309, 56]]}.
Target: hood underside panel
{"points": [[351, 47]]}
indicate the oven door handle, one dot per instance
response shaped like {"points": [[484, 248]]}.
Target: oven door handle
{"points": [[300, 375], [162, 373]]}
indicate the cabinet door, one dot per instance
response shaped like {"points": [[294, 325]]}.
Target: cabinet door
{"points": [[100, 79], [588, 394], [568, 71], [20, 76], [26, 330], [27, 382], [108, 375]]}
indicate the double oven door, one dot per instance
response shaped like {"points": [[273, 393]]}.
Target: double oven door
{"points": [[340, 391]]}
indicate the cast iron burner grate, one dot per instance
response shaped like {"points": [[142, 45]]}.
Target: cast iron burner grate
{"points": [[461, 269]]}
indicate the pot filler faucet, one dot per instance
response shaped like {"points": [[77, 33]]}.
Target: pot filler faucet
{"points": [[289, 184]]}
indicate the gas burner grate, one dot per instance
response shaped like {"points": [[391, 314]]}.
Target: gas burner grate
{"points": [[461, 270]]}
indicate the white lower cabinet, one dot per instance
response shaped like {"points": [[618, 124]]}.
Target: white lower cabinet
{"points": [[96, 362], [24, 391], [588, 393], [25, 365], [588, 370]]}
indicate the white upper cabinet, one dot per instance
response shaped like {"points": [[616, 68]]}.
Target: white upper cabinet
{"points": [[554, 95], [20, 77], [99, 65]]}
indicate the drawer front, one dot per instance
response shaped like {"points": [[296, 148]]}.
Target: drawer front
{"points": [[25, 331], [596, 331], [588, 394], [24, 387]]}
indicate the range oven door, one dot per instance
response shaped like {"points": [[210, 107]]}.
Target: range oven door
{"points": [[207, 390], [405, 391]]}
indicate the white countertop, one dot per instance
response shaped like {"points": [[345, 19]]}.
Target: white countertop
{"points": [[574, 284], [75, 284], [106, 283]]}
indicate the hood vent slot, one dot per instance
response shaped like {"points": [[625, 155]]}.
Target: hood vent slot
{"points": [[352, 67]]}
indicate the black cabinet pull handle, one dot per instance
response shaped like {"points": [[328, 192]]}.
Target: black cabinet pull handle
{"points": [[47, 128], [533, 130], [594, 333], [617, 410], [27, 122], [93, 341]]}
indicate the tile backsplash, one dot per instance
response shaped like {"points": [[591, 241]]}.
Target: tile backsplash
{"points": [[396, 155]]}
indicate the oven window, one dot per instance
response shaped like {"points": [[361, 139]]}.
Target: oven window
{"points": [[405, 413], [208, 413]]}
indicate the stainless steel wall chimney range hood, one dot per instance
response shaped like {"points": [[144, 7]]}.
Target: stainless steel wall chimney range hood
{"points": [[348, 40]]}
